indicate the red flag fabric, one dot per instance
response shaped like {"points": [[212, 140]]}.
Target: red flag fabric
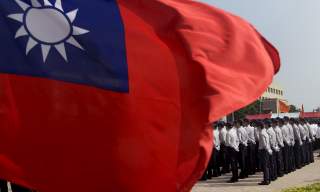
{"points": [[259, 116], [283, 107], [188, 65], [310, 115]]}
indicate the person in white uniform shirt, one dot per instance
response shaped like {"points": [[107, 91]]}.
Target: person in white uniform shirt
{"points": [[308, 140], [243, 153], [318, 136], [265, 152], [314, 127], [251, 162], [303, 135], [232, 143], [216, 153], [224, 158], [279, 123], [292, 164], [298, 143], [311, 140], [257, 131], [274, 146], [287, 142]]}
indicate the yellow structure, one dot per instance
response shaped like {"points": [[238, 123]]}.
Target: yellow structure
{"points": [[274, 91], [271, 97]]}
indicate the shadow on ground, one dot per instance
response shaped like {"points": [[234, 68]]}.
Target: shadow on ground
{"points": [[222, 181]]}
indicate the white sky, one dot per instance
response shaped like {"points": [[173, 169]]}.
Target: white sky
{"points": [[293, 26]]}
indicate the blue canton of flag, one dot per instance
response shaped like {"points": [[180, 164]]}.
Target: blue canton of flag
{"points": [[73, 41]]}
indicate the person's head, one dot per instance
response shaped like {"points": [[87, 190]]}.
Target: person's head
{"points": [[246, 122], [214, 125], [259, 125], [267, 123], [221, 124], [229, 125], [292, 121], [238, 124], [286, 120], [281, 122], [274, 123]]}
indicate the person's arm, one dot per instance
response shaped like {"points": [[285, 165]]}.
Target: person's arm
{"points": [[268, 144]]}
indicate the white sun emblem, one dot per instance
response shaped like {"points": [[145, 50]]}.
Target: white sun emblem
{"points": [[47, 25]]}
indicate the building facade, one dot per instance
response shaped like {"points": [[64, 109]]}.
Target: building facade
{"points": [[274, 91], [271, 99]]}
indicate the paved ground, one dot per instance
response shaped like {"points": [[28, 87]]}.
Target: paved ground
{"points": [[307, 175]]}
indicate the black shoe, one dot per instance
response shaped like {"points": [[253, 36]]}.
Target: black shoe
{"points": [[233, 181], [264, 183]]}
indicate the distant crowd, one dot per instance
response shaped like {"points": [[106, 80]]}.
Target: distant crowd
{"points": [[275, 147]]}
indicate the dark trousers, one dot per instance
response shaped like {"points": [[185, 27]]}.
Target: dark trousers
{"points": [[306, 153], [311, 152], [242, 160], [209, 172], [251, 162], [265, 165], [215, 164], [3, 186], [224, 159], [279, 159], [292, 163], [318, 144], [257, 157], [285, 153], [297, 154], [233, 154], [273, 166], [303, 153]]}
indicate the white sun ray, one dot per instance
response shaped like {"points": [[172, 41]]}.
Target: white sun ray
{"points": [[57, 36], [79, 31], [58, 5], [30, 45], [47, 3], [72, 15], [21, 32], [62, 50], [17, 17], [35, 3], [74, 42], [22, 5], [45, 49]]}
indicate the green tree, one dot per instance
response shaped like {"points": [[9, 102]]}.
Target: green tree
{"points": [[294, 109], [252, 109]]}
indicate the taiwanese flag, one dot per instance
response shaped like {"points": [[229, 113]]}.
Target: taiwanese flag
{"points": [[117, 96]]}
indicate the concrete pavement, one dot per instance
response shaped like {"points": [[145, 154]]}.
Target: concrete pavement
{"points": [[307, 175]]}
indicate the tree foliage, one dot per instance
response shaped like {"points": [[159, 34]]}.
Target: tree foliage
{"points": [[252, 109], [294, 109]]}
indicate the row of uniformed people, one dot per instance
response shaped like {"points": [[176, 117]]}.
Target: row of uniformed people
{"points": [[8, 187], [274, 146]]}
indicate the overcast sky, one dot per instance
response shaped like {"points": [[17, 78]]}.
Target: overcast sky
{"points": [[293, 26]]}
